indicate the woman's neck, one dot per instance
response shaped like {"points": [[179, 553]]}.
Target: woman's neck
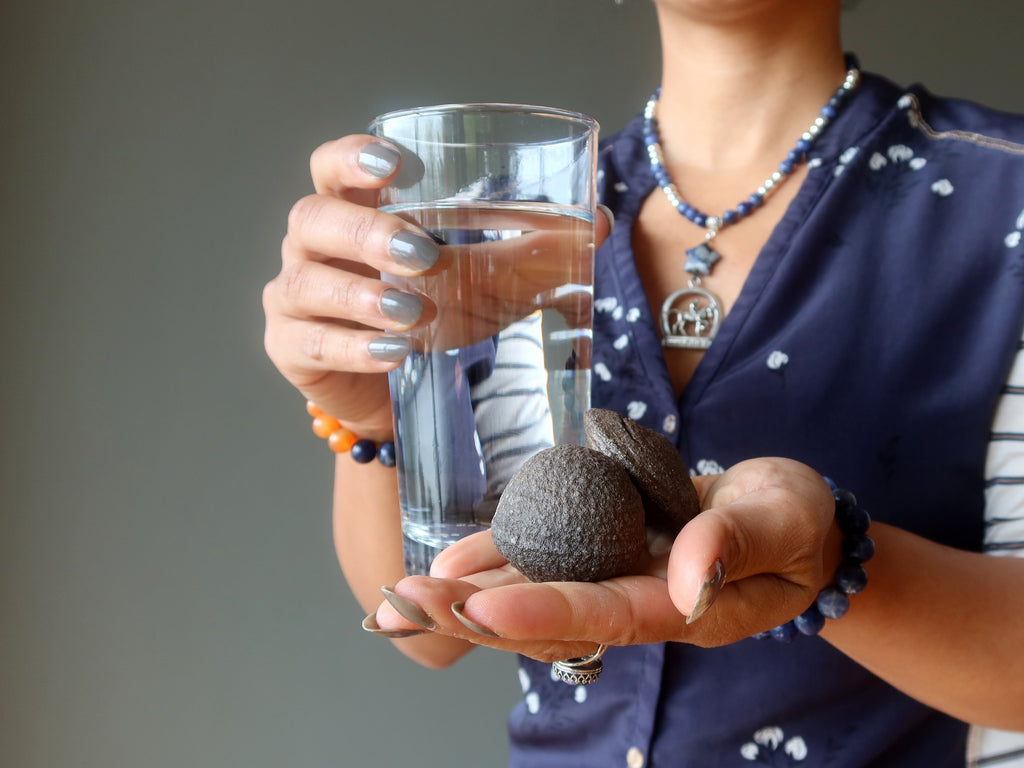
{"points": [[739, 86]]}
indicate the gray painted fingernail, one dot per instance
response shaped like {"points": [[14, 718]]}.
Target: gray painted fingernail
{"points": [[370, 625], [390, 349], [471, 625], [412, 250], [407, 609], [710, 586], [402, 307], [379, 160]]}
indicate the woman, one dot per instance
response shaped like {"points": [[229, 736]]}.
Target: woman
{"points": [[873, 305]]}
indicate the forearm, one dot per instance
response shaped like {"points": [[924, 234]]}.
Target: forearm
{"points": [[940, 625], [368, 541]]}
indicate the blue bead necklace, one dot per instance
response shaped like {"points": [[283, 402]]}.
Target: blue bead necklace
{"points": [[690, 317]]}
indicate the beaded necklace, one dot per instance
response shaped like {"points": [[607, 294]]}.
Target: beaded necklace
{"points": [[690, 317]]}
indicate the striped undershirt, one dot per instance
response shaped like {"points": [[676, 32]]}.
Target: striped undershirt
{"points": [[1004, 536]]}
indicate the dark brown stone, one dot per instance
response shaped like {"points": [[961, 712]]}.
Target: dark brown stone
{"points": [[654, 465], [571, 514]]}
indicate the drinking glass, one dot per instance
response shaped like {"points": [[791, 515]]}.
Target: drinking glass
{"points": [[502, 368]]}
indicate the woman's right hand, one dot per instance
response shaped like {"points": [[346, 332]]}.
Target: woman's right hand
{"points": [[327, 310]]}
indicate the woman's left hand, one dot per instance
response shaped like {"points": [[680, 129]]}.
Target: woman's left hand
{"points": [[757, 555]]}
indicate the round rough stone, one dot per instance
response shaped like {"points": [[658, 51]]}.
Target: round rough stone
{"points": [[653, 463], [571, 514]]}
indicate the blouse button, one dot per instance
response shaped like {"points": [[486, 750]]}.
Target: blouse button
{"points": [[635, 758]]}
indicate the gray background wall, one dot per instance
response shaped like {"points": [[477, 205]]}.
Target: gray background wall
{"points": [[168, 589]]}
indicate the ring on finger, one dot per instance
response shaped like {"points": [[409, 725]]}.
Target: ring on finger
{"points": [[582, 670]]}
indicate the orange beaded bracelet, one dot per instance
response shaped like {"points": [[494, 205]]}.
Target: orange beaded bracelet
{"points": [[342, 440]]}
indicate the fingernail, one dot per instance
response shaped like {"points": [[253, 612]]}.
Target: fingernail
{"points": [[604, 209], [370, 625], [471, 625], [391, 349], [407, 609], [414, 251], [710, 586], [379, 160], [402, 307]]}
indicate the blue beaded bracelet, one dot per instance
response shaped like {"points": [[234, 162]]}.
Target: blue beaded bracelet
{"points": [[850, 578]]}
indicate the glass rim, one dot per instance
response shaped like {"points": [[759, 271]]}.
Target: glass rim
{"points": [[483, 106]]}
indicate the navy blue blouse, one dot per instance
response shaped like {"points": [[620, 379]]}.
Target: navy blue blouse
{"points": [[870, 340]]}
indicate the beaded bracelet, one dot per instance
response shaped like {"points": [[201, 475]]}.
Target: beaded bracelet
{"points": [[342, 440], [850, 578]]}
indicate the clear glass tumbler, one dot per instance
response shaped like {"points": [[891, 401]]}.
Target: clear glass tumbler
{"points": [[503, 368]]}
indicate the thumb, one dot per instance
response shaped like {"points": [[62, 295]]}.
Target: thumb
{"points": [[753, 563]]}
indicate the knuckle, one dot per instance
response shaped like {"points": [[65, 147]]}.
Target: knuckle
{"points": [[315, 342], [360, 227], [268, 296], [304, 214], [343, 293], [293, 283], [319, 155]]}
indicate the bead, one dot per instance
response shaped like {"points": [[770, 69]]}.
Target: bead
{"points": [[364, 451], [386, 454], [785, 633], [833, 603], [796, 156], [341, 440], [851, 578], [810, 622], [844, 500], [858, 548], [853, 520], [324, 425]]}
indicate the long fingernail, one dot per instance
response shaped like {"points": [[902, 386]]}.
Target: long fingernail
{"points": [[379, 160], [604, 209], [402, 307], [710, 586], [471, 625], [370, 625], [414, 251], [391, 349], [407, 609]]}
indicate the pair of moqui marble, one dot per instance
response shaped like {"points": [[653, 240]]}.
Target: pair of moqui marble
{"points": [[582, 513]]}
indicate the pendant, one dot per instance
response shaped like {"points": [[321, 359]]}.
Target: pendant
{"points": [[690, 317]]}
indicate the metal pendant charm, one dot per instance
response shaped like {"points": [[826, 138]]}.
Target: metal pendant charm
{"points": [[690, 317]]}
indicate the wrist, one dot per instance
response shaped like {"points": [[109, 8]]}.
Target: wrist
{"points": [[847, 548], [363, 446]]}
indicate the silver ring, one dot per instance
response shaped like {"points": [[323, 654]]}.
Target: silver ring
{"points": [[580, 671]]}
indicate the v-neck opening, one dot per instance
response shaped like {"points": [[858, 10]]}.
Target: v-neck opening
{"points": [[851, 125]]}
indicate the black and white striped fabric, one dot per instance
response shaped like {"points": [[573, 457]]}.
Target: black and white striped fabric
{"points": [[1004, 536]]}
